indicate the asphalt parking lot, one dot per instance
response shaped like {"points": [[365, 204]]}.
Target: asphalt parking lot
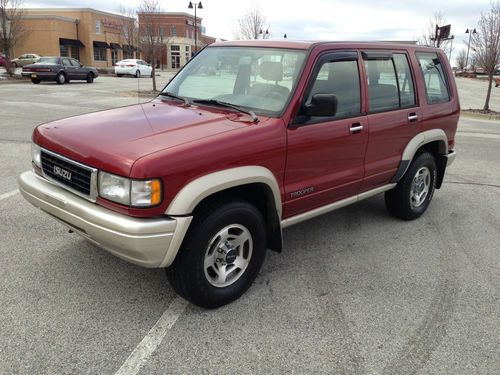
{"points": [[354, 292]]}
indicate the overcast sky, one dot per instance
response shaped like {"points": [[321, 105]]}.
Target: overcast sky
{"points": [[319, 19]]}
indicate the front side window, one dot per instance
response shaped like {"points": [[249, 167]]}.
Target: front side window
{"points": [[340, 78], [66, 62], [436, 88], [260, 79]]}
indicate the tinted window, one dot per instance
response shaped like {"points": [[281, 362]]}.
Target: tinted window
{"points": [[436, 88], [66, 62], [405, 80], [342, 79], [382, 85], [49, 60]]}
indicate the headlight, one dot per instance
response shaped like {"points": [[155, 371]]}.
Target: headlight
{"points": [[114, 188], [136, 193], [36, 155]]}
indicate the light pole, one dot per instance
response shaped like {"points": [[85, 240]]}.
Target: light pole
{"points": [[470, 32], [265, 34], [451, 45], [199, 6]]}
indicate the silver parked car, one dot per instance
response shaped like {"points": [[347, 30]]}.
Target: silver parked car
{"points": [[27, 58]]}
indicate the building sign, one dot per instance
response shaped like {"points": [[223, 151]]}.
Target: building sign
{"points": [[111, 24], [191, 23]]}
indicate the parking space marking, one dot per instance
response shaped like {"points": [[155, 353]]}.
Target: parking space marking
{"points": [[154, 338], [479, 135], [8, 195]]}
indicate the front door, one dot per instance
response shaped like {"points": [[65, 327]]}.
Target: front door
{"points": [[325, 155]]}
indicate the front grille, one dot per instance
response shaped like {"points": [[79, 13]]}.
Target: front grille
{"points": [[71, 174]]}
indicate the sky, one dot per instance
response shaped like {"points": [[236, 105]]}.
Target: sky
{"points": [[319, 19]]}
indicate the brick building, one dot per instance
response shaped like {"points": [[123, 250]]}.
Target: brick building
{"points": [[92, 36], [178, 32]]}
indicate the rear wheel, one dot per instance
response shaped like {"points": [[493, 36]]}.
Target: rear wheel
{"points": [[119, 75], [35, 81], [90, 77], [221, 255], [138, 74], [61, 79], [413, 193]]}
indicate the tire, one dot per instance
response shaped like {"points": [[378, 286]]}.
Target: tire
{"points": [[61, 79], [413, 193], [15, 65], [90, 77], [119, 75], [138, 74], [35, 81], [204, 255]]}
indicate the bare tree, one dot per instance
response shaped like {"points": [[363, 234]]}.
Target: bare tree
{"points": [[486, 45], [461, 59], [429, 36], [130, 31], [251, 24], [11, 28], [151, 32]]}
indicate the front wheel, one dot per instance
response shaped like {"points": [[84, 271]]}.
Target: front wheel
{"points": [[222, 254], [90, 77], [413, 193], [35, 81]]}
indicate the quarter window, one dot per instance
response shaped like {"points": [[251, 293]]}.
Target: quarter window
{"points": [[436, 88], [342, 79]]}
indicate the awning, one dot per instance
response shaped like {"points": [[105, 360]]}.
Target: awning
{"points": [[128, 48], [70, 42], [115, 46], [101, 44]]}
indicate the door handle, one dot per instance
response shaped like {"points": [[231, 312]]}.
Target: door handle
{"points": [[412, 117], [356, 128]]}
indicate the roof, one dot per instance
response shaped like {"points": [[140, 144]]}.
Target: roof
{"points": [[44, 11], [306, 44]]}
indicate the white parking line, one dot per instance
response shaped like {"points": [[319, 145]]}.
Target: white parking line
{"points": [[8, 195], [479, 135], [154, 338]]}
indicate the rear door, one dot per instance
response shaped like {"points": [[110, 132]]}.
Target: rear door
{"points": [[69, 68], [325, 155], [394, 116]]}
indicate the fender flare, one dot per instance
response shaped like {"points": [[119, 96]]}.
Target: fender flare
{"points": [[202, 187], [418, 141]]}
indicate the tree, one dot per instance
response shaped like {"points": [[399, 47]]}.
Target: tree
{"points": [[251, 24], [429, 36], [486, 45], [130, 30], [461, 59], [151, 32], [11, 28]]}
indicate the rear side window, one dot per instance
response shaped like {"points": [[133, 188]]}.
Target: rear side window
{"points": [[342, 79], [436, 88], [390, 83], [66, 62]]}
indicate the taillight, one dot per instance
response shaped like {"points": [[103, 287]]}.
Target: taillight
{"points": [[130, 66], [42, 70]]}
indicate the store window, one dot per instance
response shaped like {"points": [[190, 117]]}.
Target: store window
{"points": [[63, 50], [174, 31], [99, 54], [175, 56]]}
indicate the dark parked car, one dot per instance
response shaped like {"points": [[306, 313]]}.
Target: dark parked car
{"points": [[59, 69]]}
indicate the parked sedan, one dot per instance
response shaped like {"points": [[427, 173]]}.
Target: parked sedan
{"points": [[59, 69], [27, 58], [133, 67]]}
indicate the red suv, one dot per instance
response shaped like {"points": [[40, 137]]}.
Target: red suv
{"points": [[248, 138]]}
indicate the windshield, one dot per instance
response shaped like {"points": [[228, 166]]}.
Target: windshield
{"points": [[261, 79], [48, 60]]}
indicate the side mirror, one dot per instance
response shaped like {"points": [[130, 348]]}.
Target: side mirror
{"points": [[322, 105]]}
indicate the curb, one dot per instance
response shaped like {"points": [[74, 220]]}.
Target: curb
{"points": [[483, 116]]}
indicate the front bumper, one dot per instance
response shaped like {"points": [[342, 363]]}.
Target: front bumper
{"points": [[450, 158], [146, 242]]}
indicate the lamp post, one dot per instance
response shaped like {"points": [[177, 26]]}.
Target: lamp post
{"points": [[451, 45], [470, 32], [265, 34], [199, 6]]}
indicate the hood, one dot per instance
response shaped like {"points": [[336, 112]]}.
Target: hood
{"points": [[113, 140]]}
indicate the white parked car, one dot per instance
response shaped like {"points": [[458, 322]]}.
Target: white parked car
{"points": [[133, 67]]}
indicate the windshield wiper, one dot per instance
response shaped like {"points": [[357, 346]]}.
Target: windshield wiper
{"points": [[172, 95], [219, 103]]}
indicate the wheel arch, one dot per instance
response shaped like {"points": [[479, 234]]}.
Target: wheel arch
{"points": [[255, 184], [435, 141]]}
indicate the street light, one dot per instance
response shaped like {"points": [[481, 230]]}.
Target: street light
{"points": [[265, 34], [199, 6], [470, 32]]}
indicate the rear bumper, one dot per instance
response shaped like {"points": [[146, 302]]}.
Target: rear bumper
{"points": [[42, 76], [450, 158], [126, 70], [146, 242]]}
